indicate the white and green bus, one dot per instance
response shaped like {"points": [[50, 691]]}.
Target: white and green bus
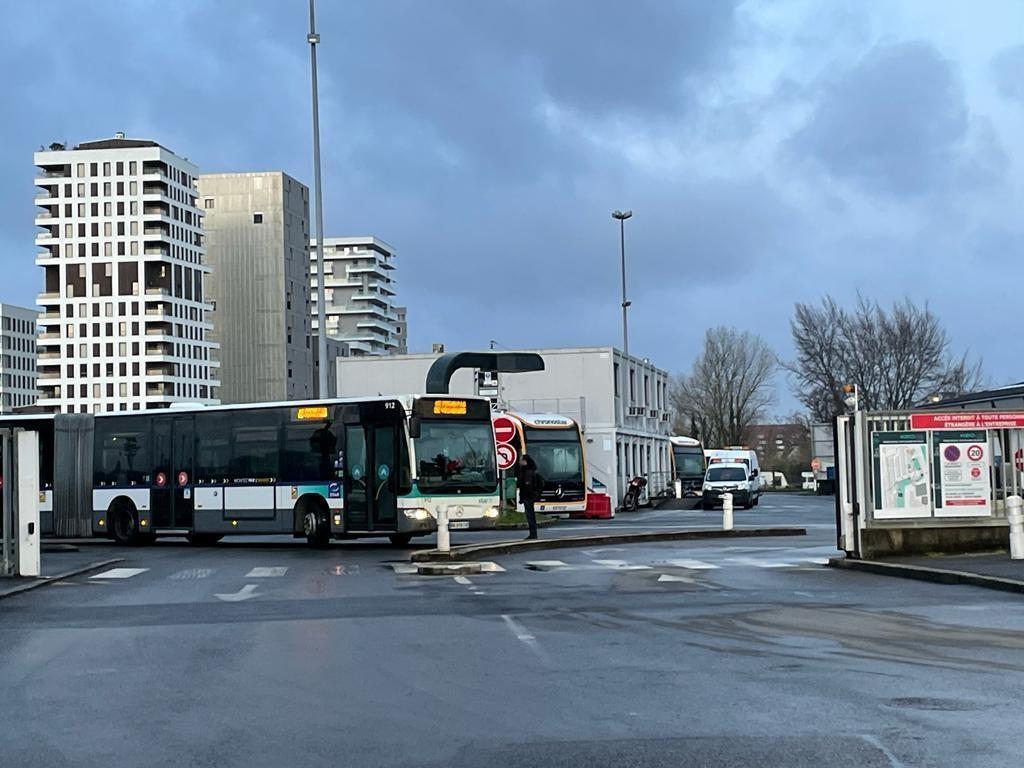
{"points": [[321, 469]]}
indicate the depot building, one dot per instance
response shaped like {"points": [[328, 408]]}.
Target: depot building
{"points": [[619, 401]]}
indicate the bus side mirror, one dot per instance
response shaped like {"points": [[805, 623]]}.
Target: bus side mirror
{"points": [[414, 427]]}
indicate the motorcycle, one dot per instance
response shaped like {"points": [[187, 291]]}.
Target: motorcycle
{"points": [[631, 501]]}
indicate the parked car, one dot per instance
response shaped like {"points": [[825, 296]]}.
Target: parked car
{"points": [[731, 477]]}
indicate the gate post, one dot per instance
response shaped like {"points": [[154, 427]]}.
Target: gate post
{"points": [[27, 469], [1015, 517]]}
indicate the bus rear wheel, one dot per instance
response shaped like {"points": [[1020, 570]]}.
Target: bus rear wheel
{"points": [[400, 539], [204, 539], [124, 524]]}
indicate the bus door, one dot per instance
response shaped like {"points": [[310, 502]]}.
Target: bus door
{"points": [[171, 495], [371, 475]]}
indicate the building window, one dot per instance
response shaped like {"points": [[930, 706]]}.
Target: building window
{"points": [[257, 218], [208, 202]]}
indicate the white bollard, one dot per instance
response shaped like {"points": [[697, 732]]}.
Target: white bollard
{"points": [[679, 489], [443, 538], [726, 511], [1015, 517]]}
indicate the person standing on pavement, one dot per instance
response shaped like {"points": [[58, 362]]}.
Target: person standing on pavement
{"points": [[530, 483]]}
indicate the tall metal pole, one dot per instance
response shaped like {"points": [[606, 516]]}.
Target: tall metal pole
{"points": [[625, 304], [622, 216], [321, 309]]}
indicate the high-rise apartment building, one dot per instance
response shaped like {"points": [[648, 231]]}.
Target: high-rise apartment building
{"points": [[256, 227], [124, 318], [401, 331], [18, 361], [359, 294]]}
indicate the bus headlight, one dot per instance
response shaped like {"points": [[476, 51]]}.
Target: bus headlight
{"points": [[491, 512], [416, 514]]}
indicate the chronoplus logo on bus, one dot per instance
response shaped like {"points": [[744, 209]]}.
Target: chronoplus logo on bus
{"points": [[951, 452]]}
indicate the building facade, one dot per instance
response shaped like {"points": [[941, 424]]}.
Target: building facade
{"points": [[359, 290], [620, 402], [18, 361], [401, 331], [256, 228], [124, 320]]}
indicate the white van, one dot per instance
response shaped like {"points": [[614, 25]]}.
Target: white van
{"points": [[733, 477], [735, 454]]}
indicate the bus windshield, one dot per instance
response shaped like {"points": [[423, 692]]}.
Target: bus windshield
{"points": [[455, 457], [726, 474], [689, 461], [557, 452]]}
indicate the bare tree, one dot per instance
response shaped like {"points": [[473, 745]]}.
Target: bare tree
{"points": [[728, 389], [895, 357]]}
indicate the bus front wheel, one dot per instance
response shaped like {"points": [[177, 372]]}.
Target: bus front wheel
{"points": [[316, 528]]}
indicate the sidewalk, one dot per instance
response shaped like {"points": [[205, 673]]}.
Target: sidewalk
{"points": [[993, 570], [55, 566]]}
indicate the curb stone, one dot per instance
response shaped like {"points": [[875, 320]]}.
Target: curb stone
{"points": [[923, 573], [44, 580], [471, 551]]}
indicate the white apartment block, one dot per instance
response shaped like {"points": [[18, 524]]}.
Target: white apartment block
{"points": [[18, 361], [359, 294], [124, 319], [257, 245]]}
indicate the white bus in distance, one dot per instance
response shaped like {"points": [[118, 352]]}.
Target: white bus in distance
{"points": [[555, 443]]}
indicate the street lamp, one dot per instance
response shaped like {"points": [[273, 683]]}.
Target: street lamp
{"points": [[321, 310], [622, 216]]}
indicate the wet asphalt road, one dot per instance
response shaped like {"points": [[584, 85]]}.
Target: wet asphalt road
{"points": [[740, 652]]}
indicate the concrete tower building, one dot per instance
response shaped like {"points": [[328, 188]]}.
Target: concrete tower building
{"points": [[18, 363], [124, 319], [257, 246], [360, 292]]}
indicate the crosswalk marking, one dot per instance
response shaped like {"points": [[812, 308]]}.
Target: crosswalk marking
{"points": [[694, 565], [191, 573], [621, 565], [264, 572], [545, 565], [119, 573]]}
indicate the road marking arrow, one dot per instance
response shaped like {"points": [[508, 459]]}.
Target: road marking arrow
{"points": [[245, 593]]}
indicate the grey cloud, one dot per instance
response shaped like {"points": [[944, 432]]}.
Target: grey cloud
{"points": [[893, 123], [1008, 69]]}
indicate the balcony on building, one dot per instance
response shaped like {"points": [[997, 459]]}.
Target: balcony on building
{"points": [[159, 310], [159, 349], [156, 230], [159, 329], [53, 171], [161, 389], [48, 253], [156, 209], [158, 279], [159, 369]]}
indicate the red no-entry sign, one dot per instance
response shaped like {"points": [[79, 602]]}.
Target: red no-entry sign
{"points": [[504, 430]]}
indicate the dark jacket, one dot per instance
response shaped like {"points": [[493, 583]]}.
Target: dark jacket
{"points": [[528, 480]]}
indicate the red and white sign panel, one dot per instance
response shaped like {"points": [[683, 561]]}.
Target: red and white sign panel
{"points": [[967, 420], [507, 456], [504, 430], [1018, 459]]}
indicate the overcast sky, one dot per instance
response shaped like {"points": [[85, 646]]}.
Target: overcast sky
{"points": [[770, 151]]}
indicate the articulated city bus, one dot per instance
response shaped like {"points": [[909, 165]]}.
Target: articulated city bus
{"points": [[556, 445], [688, 463], [320, 469]]}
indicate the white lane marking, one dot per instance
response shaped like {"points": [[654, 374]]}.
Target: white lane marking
{"points": [[695, 565], [119, 573], [523, 635], [263, 572], [405, 568], [462, 580], [684, 579], [191, 573], [877, 744], [245, 593], [486, 567], [545, 565], [621, 565]]}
